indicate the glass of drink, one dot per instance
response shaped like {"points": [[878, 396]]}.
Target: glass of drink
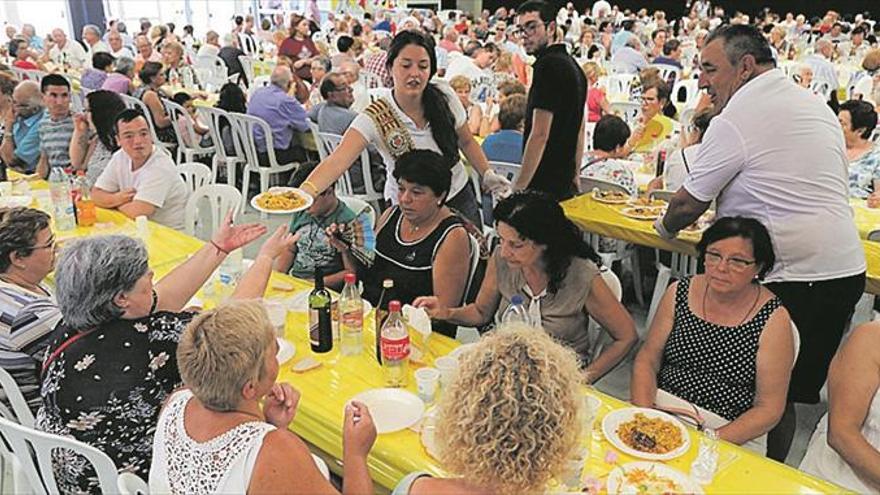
{"points": [[427, 380]]}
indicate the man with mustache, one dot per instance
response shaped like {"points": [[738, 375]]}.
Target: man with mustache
{"points": [[776, 153]]}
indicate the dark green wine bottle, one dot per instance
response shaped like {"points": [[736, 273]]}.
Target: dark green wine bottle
{"points": [[320, 325]]}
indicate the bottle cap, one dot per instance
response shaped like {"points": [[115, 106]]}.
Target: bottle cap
{"points": [[394, 306], [350, 278], [516, 299]]}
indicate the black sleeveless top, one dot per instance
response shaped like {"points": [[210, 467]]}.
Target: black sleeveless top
{"points": [[712, 366], [409, 264]]}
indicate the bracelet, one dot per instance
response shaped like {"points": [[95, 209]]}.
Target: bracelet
{"points": [[311, 185], [220, 249]]}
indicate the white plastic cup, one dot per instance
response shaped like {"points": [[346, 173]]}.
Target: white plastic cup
{"points": [[143, 228], [277, 312], [448, 367], [427, 380], [591, 411]]}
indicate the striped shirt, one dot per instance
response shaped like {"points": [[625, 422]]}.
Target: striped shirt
{"points": [[55, 140], [26, 323]]}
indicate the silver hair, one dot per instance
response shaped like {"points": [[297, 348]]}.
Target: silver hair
{"points": [[93, 28], [228, 39], [124, 65], [281, 77], [32, 93], [90, 272]]}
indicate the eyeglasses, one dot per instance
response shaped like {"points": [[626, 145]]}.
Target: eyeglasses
{"points": [[50, 244], [527, 28], [733, 263]]}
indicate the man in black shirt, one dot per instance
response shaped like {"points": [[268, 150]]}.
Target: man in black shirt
{"points": [[555, 114]]}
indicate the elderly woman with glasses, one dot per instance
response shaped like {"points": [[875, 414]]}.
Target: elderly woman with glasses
{"points": [[28, 312], [227, 361], [111, 361], [720, 346]]}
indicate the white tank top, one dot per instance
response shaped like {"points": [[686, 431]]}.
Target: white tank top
{"points": [[823, 461], [221, 465]]}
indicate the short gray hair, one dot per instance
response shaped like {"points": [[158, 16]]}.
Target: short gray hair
{"points": [[125, 66], [281, 76], [93, 28], [90, 272]]}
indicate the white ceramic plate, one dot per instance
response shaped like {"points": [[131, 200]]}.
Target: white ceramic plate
{"points": [[617, 483], [615, 418], [458, 351], [300, 302], [308, 200], [15, 201], [393, 409], [642, 212], [286, 351]]}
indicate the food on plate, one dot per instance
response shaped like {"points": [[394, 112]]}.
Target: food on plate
{"points": [[287, 199], [652, 435], [639, 480], [643, 212], [647, 201], [305, 364], [610, 196]]}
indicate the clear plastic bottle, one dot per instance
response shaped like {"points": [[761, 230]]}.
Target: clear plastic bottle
{"points": [[351, 318], [62, 206], [706, 463], [395, 347], [516, 312]]}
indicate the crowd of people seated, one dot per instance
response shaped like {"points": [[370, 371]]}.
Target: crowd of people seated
{"points": [[433, 101]]}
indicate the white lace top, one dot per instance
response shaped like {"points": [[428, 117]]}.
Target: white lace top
{"points": [[221, 465]]}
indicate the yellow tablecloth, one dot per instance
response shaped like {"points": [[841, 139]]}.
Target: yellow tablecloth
{"points": [[606, 220], [325, 390]]}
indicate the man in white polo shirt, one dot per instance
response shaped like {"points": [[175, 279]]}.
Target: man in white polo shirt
{"points": [[140, 178], [775, 153]]}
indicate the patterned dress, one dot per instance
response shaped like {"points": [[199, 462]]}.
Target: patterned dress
{"points": [[712, 366], [862, 174], [105, 389]]}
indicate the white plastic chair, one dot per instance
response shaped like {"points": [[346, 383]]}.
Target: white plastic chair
{"points": [[467, 335], [617, 84], [216, 119], [29, 445], [628, 111], [185, 153], [668, 72], [247, 124], [19, 413], [326, 143], [598, 336], [691, 88], [131, 484], [195, 175], [211, 71], [221, 198], [680, 266], [35, 75], [247, 65], [821, 88], [257, 83], [375, 93]]}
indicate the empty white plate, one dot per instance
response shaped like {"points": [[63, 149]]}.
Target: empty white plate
{"points": [[392, 409], [286, 351]]}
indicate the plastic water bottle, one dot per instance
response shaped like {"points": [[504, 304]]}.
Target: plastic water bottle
{"points": [[706, 463], [229, 272], [62, 206], [516, 312], [395, 347], [351, 318]]}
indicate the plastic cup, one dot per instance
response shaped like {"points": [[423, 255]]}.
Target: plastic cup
{"points": [[448, 367], [427, 380], [277, 312], [591, 411], [6, 188]]}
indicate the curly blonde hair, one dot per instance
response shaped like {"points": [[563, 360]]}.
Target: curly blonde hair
{"points": [[509, 420]]}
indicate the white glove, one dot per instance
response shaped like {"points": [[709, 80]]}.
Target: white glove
{"points": [[496, 184]]}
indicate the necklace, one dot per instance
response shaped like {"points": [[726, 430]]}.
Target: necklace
{"points": [[751, 308], [413, 228]]}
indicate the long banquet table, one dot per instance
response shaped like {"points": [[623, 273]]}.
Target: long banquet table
{"points": [[325, 391], [606, 220]]}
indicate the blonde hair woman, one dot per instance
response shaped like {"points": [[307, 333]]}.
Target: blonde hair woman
{"points": [[532, 385], [462, 87], [597, 102], [213, 437]]}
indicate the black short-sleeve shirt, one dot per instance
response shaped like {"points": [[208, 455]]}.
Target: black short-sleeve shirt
{"points": [[560, 87]]}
